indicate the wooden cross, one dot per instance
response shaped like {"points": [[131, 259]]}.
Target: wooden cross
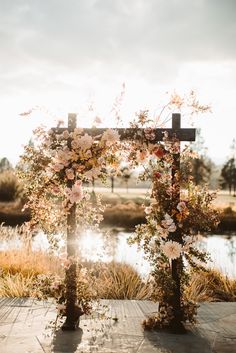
{"points": [[180, 134]]}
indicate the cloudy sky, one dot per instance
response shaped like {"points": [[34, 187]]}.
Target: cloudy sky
{"points": [[70, 55]]}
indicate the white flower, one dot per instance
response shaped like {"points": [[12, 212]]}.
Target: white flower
{"points": [[168, 220], [110, 137], [153, 244], [75, 194], [85, 142], [171, 249], [181, 206]]}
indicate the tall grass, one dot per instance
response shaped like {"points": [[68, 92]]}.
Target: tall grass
{"points": [[211, 286], [17, 285], [19, 268], [28, 263], [120, 281]]}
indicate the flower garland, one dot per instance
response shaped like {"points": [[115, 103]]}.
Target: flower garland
{"points": [[174, 220], [55, 159], [54, 170]]}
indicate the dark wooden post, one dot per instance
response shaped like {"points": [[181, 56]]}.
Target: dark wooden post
{"points": [[72, 314], [72, 311], [176, 264]]}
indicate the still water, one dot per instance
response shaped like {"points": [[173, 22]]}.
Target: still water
{"points": [[98, 247], [95, 247]]}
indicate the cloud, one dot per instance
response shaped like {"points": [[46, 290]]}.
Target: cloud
{"points": [[140, 36]]}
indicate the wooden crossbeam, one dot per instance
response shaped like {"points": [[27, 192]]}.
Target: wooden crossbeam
{"points": [[182, 134]]}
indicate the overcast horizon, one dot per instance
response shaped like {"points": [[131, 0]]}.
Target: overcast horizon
{"points": [[76, 56]]}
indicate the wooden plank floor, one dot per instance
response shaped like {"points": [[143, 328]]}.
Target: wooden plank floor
{"points": [[24, 329]]}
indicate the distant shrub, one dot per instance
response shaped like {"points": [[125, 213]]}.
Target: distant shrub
{"points": [[10, 188]]}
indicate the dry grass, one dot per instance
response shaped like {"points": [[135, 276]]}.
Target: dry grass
{"points": [[17, 285], [28, 263], [211, 286], [120, 281], [19, 267]]}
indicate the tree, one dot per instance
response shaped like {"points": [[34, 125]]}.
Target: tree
{"points": [[5, 165], [228, 172], [126, 174]]}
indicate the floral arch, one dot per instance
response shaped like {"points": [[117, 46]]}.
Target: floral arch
{"points": [[54, 170]]}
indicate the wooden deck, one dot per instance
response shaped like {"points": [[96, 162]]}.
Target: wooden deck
{"points": [[115, 326]]}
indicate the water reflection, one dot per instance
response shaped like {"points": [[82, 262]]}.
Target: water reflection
{"points": [[221, 248]]}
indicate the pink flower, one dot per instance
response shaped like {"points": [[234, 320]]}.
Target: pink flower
{"points": [[70, 174], [65, 134], [162, 231], [75, 194], [63, 157], [110, 137], [149, 133], [57, 167], [141, 156], [168, 223], [85, 142]]}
